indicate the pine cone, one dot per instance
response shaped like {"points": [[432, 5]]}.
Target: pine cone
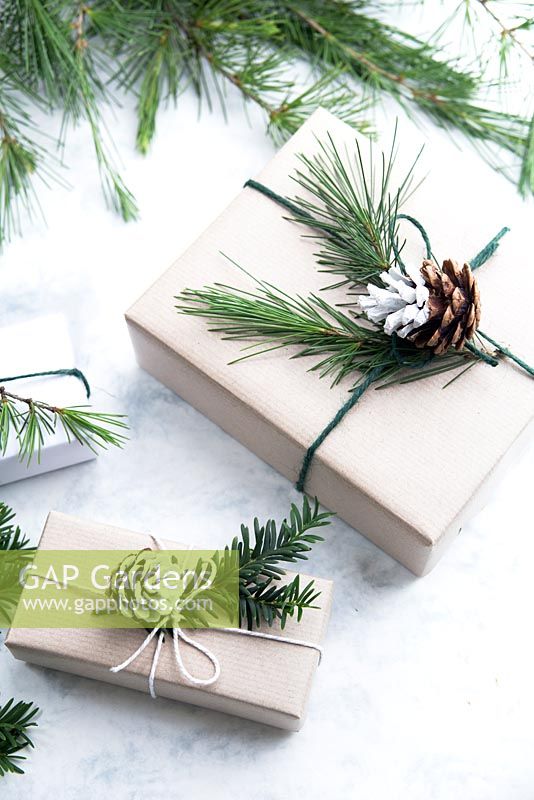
{"points": [[134, 597], [453, 304]]}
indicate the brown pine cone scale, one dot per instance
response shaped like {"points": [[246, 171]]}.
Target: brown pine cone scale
{"points": [[453, 304]]}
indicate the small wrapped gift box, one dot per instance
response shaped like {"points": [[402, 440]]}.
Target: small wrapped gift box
{"points": [[410, 464], [41, 344], [261, 679]]}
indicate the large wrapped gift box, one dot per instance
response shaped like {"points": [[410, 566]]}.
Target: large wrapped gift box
{"points": [[410, 464], [261, 679]]}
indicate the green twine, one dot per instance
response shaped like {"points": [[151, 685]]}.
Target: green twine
{"points": [[76, 373], [490, 360], [415, 222], [345, 408], [506, 352], [488, 250], [372, 376], [282, 201]]}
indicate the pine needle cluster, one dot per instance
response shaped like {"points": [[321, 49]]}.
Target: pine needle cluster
{"points": [[31, 421], [73, 56]]}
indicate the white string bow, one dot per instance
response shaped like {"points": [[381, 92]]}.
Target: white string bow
{"points": [[179, 635]]}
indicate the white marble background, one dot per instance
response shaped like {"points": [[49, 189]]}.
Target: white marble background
{"points": [[426, 687]]}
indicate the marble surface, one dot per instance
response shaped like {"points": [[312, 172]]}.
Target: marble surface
{"points": [[426, 686]]}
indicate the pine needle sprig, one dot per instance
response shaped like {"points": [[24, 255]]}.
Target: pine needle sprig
{"points": [[31, 421], [341, 346], [262, 598], [51, 52], [354, 210], [15, 721]]}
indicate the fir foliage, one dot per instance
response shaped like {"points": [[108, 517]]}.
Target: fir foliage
{"points": [[263, 597], [11, 539], [11, 536], [16, 718]]}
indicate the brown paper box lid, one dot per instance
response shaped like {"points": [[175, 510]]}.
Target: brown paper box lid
{"points": [[417, 451], [261, 679]]}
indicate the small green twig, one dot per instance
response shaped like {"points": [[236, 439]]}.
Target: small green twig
{"points": [[262, 598], [32, 420], [15, 721]]}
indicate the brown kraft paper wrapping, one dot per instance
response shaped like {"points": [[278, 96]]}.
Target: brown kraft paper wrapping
{"points": [[262, 680], [410, 464]]}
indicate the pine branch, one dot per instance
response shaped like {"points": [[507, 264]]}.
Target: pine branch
{"points": [[50, 54], [15, 721], [65, 54], [341, 346], [84, 91], [21, 161], [508, 35], [31, 421], [261, 597], [329, 92], [389, 60]]}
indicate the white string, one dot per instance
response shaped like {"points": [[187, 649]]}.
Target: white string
{"points": [[137, 653], [178, 633], [285, 639], [152, 676]]}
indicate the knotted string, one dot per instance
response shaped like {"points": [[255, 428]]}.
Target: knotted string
{"points": [[373, 375], [76, 373], [178, 635]]}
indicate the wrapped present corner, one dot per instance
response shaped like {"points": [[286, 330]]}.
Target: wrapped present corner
{"points": [[260, 679], [410, 464], [41, 344]]}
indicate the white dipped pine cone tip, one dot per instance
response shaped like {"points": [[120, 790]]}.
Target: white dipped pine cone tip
{"points": [[431, 307]]}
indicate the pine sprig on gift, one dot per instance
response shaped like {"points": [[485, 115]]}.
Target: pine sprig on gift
{"points": [[15, 721], [30, 421], [354, 215], [340, 345], [354, 210], [261, 597]]}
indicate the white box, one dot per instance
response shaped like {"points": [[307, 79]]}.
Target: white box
{"points": [[43, 343]]}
